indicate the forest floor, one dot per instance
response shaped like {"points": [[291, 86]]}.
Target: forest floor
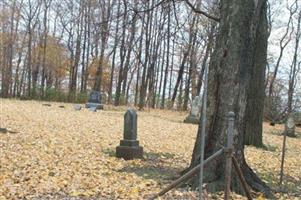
{"points": [[53, 152]]}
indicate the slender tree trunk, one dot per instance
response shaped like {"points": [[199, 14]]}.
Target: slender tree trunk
{"points": [[8, 73], [29, 61], [143, 87], [116, 40], [88, 46], [45, 34], [104, 37], [84, 49], [161, 76], [75, 63], [171, 71], [122, 57], [205, 59], [180, 75], [187, 88], [128, 56], [167, 58]]}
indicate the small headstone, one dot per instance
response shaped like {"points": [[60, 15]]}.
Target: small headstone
{"points": [[194, 115], [93, 109], [61, 106], [290, 126], [129, 147], [77, 107], [46, 104], [297, 118], [3, 130], [94, 100]]}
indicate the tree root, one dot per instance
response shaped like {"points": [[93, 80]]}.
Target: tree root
{"points": [[255, 182]]}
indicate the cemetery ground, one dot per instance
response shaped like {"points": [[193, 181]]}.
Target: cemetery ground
{"points": [[56, 152]]}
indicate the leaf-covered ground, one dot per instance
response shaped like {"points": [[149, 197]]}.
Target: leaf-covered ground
{"points": [[53, 152]]}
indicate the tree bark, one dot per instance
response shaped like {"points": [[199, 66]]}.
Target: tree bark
{"points": [[256, 95]]}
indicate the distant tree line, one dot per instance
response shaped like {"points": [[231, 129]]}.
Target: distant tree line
{"points": [[146, 53]]}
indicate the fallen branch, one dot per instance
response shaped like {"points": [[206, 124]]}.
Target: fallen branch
{"points": [[189, 174], [241, 178]]}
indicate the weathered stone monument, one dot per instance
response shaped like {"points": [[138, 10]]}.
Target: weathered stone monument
{"points": [[77, 107], [94, 100], [298, 118], [194, 115], [129, 147], [93, 109], [290, 126]]}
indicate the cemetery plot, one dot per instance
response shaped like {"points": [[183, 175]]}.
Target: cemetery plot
{"points": [[64, 153]]}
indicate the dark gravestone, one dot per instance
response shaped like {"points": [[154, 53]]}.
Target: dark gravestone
{"points": [[129, 147], [94, 100]]}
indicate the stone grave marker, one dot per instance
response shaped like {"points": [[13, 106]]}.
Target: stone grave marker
{"points": [[194, 115], [129, 147], [94, 100], [290, 126], [93, 109], [77, 107], [298, 118]]}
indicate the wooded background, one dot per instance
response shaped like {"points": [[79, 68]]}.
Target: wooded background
{"points": [[146, 53]]}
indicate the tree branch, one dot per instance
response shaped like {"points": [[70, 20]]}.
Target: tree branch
{"points": [[201, 12]]}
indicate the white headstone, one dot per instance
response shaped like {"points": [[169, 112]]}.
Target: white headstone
{"points": [[77, 107], [290, 126], [196, 106], [290, 123]]}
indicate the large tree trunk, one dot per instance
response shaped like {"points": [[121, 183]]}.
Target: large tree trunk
{"points": [[230, 75], [256, 95]]}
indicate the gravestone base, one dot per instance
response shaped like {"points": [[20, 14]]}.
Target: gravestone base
{"points": [[97, 105], [129, 152], [129, 147], [190, 119]]}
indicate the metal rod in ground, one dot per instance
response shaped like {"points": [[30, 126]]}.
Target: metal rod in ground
{"points": [[188, 175], [203, 131], [229, 149], [282, 158], [241, 178]]}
